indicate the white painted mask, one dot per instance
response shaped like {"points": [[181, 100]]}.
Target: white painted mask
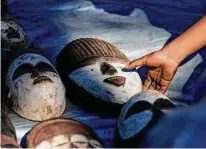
{"points": [[62, 133], [36, 90], [12, 35], [73, 141], [107, 81]]}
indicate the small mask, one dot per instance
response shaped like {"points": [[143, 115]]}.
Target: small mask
{"points": [[36, 90], [97, 67], [137, 113], [12, 35], [62, 133]]}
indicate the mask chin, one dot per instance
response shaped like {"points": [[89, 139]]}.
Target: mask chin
{"points": [[41, 102]]}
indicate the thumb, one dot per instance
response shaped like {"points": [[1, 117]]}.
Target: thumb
{"points": [[136, 63]]}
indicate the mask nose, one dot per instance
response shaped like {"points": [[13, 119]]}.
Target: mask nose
{"points": [[116, 81], [35, 73]]}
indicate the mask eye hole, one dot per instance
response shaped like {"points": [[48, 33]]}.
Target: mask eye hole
{"points": [[162, 103], [107, 69], [22, 69], [138, 107], [42, 67]]}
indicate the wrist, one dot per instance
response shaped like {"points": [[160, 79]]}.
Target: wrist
{"points": [[174, 53]]}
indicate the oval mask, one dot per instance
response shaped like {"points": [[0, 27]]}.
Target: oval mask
{"points": [[97, 67], [36, 90]]}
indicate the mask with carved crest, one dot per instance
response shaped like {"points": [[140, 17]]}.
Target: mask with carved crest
{"points": [[97, 67]]}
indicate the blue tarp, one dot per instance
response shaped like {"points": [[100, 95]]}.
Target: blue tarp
{"points": [[35, 16]]}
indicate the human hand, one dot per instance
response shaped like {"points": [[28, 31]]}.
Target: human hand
{"points": [[161, 70]]}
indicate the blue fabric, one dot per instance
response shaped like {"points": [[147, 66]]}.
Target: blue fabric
{"points": [[161, 13], [175, 16], [35, 18]]}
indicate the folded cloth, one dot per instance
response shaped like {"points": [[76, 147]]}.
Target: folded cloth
{"points": [[139, 115]]}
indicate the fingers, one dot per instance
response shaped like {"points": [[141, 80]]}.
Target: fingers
{"points": [[147, 83], [152, 86], [163, 89], [155, 83], [158, 87], [136, 63], [164, 85], [155, 79]]}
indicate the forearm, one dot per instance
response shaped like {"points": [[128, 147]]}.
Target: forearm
{"points": [[187, 43]]}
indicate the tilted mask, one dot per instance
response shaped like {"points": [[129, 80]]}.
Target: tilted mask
{"points": [[36, 90], [12, 35], [97, 66]]}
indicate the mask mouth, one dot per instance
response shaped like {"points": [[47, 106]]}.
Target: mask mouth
{"points": [[116, 81], [42, 79], [13, 34]]}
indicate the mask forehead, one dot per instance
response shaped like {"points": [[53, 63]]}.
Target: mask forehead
{"points": [[30, 58], [96, 69], [117, 65], [97, 66]]}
